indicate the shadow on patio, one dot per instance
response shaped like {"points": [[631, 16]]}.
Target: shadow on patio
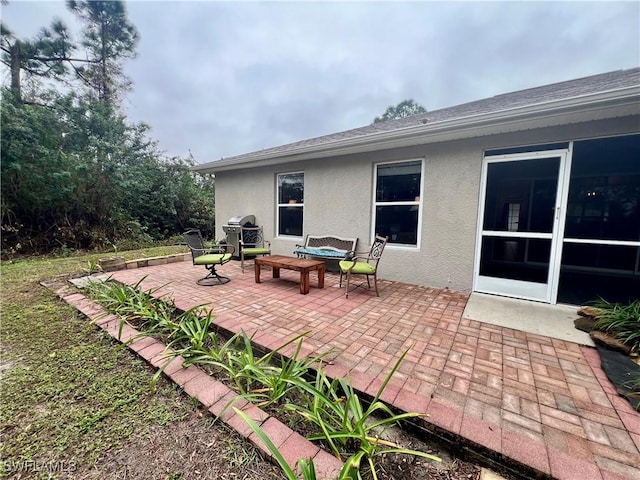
{"points": [[540, 403]]}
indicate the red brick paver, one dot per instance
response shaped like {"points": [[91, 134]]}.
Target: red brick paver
{"points": [[544, 403], [212, 394]]}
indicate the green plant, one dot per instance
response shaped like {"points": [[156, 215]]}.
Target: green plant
{"points": [[345, 424], [622, 321], [92, 267], [307, 467], [192, 329], [261, 377], [286, 468], [350, 428], [238, 360], [133, 305], [189, 335], [121, 299], [278, 381]]}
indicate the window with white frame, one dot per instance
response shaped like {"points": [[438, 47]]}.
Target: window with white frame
{"points": [[290, 204], [397, 202]]}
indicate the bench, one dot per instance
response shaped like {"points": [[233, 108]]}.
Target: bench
{"points": [[329, 247]]}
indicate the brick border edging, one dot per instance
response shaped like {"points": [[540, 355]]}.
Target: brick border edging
{"points": [[212, 394], [113, 264]]}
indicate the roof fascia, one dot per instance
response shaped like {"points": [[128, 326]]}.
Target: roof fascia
{"points": [[612, 103]]}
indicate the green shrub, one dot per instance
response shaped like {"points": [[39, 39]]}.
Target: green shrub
{"points": [[347, 424], [622, 321]]}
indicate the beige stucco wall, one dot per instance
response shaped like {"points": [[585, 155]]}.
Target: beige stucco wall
{"points": [[339, 195]]}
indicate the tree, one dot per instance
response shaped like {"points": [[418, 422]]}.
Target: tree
{"points": [[404, 109], [73, 172], [109, 39], [44, 56], [36, 176]]}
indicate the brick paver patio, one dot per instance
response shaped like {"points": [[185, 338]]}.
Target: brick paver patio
{"points": [[539, 402]]}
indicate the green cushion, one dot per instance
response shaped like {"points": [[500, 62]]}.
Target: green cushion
{"points": [[256, 251], [211, 258], [360, 268]]}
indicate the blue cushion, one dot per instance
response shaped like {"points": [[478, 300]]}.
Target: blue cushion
{"points": [[319, 252]]}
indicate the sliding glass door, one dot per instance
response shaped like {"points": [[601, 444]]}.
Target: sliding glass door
{"points": [[521, 220], [601, 245]]}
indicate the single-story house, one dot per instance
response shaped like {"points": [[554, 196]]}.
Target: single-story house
{"points": [[533, 194]]}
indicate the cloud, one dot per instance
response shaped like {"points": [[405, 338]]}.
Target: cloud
{"points": [[226, 78]]}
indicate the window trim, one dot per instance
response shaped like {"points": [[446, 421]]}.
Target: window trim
{"points": [[288, 205], [419, 204]]}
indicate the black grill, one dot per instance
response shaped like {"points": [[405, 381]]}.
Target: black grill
{"points": [[233, 229]]}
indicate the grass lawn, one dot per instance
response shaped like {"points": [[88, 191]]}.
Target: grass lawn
{"points": [[74, 406]]}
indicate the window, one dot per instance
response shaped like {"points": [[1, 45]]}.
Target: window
{"points": [[513, 218], [397, 202], [290, 204]]}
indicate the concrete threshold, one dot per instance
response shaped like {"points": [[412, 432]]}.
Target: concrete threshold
{"points": [[555, 321]]}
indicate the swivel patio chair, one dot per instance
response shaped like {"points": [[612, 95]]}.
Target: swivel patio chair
{"points": [[363, 264], [253, 244], [210, 258]]}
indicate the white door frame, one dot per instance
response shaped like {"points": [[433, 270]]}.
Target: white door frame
{"points": [[546, 292]]}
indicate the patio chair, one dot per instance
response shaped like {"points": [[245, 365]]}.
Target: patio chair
{"points": [[210, 258], [253, 244], [363, 264]]}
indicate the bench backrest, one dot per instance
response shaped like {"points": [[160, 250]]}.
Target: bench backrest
{"points": [[330, 242]]}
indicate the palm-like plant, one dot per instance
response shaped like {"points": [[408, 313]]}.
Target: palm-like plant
{"points": [[135, 306], [622, 321], [345, 423]]}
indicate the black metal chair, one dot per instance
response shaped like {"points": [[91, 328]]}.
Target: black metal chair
{"points": [[252, 244], [365, 263], [210, 258]]}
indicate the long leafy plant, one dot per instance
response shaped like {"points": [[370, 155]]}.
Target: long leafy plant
{"points": [[352, 428], [346, 423], [622, 321]]}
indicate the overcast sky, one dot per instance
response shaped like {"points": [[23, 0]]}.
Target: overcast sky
{"points": [[227, 78]]}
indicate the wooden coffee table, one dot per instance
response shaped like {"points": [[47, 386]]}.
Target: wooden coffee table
{"points": [[276, 262]]}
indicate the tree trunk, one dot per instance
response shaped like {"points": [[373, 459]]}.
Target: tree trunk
{"points": [[16, 60]]}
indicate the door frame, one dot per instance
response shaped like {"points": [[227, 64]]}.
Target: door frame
{"points": [[526, 290]]}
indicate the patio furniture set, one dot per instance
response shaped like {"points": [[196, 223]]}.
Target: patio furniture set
{"points": [[309, 257]]}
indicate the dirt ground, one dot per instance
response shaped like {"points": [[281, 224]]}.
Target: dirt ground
{"points": [[198, 449], [191, 449]]}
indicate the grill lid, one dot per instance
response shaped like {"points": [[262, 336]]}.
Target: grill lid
{"points": [[242, 220]]}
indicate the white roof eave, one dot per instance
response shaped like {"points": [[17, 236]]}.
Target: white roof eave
{"points": [[612, 103]]}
